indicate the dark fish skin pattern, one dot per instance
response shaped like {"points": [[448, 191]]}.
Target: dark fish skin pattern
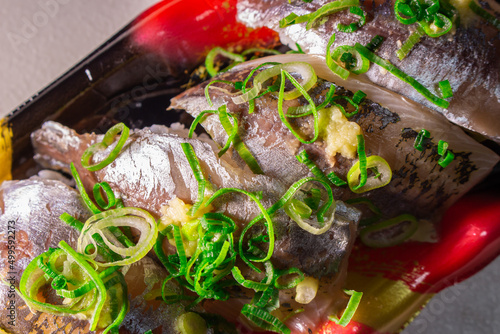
{"points": [[468, 56], [419, 186]]}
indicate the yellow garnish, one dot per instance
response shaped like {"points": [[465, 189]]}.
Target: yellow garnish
{"points": [[5, 151]]}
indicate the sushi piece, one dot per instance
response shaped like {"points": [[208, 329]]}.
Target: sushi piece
{"points": [[153, 173], [389, 122], [30, 215], [468, 56], [30, 211]]}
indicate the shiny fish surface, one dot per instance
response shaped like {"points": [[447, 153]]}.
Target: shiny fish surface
{"points": [[152, 169], [30, 213], [35, 205], [389, 123], [468, 56]]}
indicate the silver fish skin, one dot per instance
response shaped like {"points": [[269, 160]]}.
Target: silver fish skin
{"points": [[153, 156], [34, 205], [389, 122], [152, 169], [30, 211], [468, 56]]}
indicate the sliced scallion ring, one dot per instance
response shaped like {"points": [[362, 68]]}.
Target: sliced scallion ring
{"points": [[373, 161], [332, 65], [323, 219], [132, 217], [351, 308], [108, 139], [419, 140], [432, 29], [328, 9], [362, 64], [209, 60], [99, 284], [390, 232], [307, 81], [111, 199], [301, 90], [408, 11]]}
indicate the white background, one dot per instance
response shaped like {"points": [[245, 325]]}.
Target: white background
{"points": [[41, 39]]}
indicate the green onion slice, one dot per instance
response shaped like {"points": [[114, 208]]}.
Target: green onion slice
{"points": [[361, 64], [238, 144], [188, 150], [132, 217], [410, 42], [352, 27], [342, 109], [207, 94], [375, 43], [305, 71], [291, 283], [232, 131], [264, 319], [198, 120], [328, 209], [34, 278], [442, 147], [421, 137], [444, 161], [71, 221], [335, 179], [226, 124], [101, 146], [362, 163], [445, 88], [305, 110], [113, 327], [303, 157], [351, 308], [249, 284], [401, 75], [92, 274], [86, 199], [265, 215], [408, 11], [358, 97], [446, 156], [330, 62], [491, 19], [209, 60], [432, 28], [328, 9], [390, 232], [111, 199], [372, 161], [303, 91], [298, 208]]}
